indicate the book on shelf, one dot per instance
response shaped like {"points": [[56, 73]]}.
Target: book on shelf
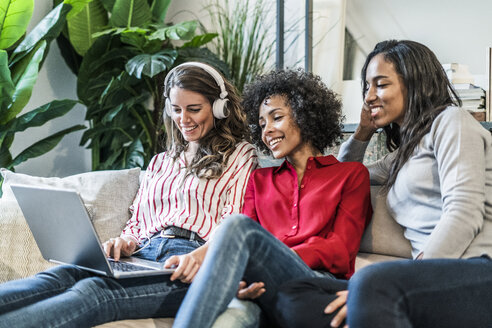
{"points": [[474, 99], [476, 93], [477, 103]]}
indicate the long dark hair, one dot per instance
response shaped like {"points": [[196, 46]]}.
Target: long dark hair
{"points": [[214, 148], [429, 92]]}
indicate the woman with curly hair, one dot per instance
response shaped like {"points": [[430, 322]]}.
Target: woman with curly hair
{"points": [[186, 192], [304, 218]]}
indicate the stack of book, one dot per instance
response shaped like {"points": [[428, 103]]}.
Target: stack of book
{"points": [[472, 96]]}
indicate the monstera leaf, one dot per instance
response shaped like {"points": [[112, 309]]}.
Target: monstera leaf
{"points": [[151, 64]]}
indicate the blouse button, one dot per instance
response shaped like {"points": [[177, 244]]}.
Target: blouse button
{"points": [[295, 205], [293, 227], [302, 186]]}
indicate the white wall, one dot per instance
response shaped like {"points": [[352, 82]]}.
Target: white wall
{"points": [[458, 31]]}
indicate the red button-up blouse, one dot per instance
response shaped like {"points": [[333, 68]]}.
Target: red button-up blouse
{"points": [[323, 218]]}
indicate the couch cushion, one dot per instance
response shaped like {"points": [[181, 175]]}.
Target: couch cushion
{"points": [[365, 259], [106, 194], [384, 235], [17, 262]]}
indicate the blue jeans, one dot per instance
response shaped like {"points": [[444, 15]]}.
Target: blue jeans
{"points": [[424, 293], [66, 296], [241, 250]]}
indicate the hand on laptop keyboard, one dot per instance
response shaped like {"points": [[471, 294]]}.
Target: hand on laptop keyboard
{"points": [[120, 246]]}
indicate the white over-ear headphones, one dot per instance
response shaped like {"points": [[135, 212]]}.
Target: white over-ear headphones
{"points": [[219, 107]]}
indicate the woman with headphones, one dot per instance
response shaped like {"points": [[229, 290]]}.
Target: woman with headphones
{"points": [[186, 192]]}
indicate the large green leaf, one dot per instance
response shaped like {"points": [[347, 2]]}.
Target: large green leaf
{"points": [[135, 155], [5, 156], [159, 9], [139, 39], [94, 132], [77, 6], [121, 90], [46, 30], [36, 117], [181, 31], [42, 114], [110, 115], [108, 5], [109, 163], [19, 68], [151, 64], [127, 13], [72, 58], [200, 40], [25, 79], [82, 26], [7, 87], [43, 146], [14, 19]]}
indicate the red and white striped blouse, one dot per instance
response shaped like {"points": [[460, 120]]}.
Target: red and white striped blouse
{"points": [[198, 205]]}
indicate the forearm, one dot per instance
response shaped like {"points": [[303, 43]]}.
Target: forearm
{"points": [[352, 150]]}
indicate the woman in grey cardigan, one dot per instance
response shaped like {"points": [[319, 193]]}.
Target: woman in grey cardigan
{"points": [[438, 180]]}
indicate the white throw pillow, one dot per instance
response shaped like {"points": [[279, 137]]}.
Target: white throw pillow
{"points": [[107, 195]]}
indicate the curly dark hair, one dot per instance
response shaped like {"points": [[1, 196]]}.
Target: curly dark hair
{"points": [[316, 109]]}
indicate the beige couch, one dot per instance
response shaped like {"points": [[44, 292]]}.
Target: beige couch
{"points": [[107, 196]]}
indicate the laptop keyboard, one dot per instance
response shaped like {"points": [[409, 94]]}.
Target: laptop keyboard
{"points": [[127, 267]]}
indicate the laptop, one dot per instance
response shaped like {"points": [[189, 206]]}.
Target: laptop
{"points": [[64, 233]]}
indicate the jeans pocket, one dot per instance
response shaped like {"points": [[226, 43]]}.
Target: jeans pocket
{"points": [[176, 246]]}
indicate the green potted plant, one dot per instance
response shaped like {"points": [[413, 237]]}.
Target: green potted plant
{"points": [[121, 51], [242, 40], [21, 58]]}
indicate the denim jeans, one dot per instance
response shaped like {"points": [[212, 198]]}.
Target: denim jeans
{"points": [[423, 293], [240, 250], [304, 300], [66, 296]]}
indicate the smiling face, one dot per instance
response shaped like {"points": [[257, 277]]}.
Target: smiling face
{"points": [[279, 131], [386, 93], [192, 113]]}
